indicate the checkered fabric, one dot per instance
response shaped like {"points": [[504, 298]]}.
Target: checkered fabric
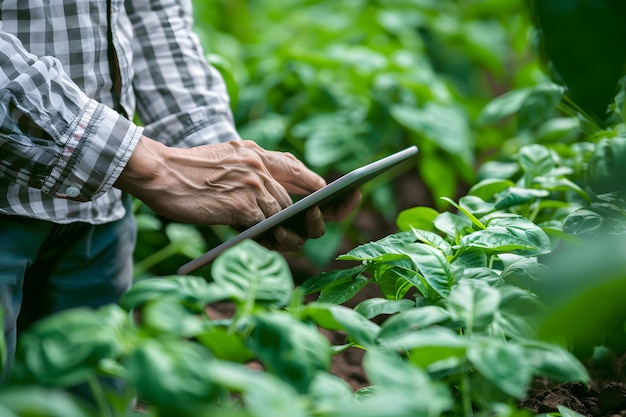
{"points": [[70, 74]]}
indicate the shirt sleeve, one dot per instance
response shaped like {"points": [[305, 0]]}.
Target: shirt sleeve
{"points": [[181, 99], [52, 136]]}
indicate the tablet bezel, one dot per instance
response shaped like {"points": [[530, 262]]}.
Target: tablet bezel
{"points": [[325, 195]]}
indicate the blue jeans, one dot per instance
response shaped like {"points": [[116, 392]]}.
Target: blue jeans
{"points": [[47, 267]]}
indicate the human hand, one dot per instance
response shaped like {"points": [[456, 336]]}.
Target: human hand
{"points": [[235, 183]]}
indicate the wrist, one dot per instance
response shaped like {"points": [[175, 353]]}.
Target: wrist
{"points": [[143, 167]]}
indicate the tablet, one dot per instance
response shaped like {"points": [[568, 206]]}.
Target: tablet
{"points": [[328, 195]]}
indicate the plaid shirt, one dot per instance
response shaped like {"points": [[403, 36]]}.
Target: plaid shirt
{"points": [[64, 67]]}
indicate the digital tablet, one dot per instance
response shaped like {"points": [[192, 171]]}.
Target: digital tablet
{"points": [[328, 195]]}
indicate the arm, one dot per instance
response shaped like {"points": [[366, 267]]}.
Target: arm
{"points": [[183, 102], [52, 136], [181, 99]]}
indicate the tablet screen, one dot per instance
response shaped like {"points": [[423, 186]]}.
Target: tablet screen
{"points": [[328, 195]]}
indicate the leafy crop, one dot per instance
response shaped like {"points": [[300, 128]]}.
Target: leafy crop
{"points": [[520, 276]]}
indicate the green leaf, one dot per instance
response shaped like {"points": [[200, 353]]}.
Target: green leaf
{"points": [[503, 364], [514, 196], [327, 390], [64, 349], [514, 101], [453, 224], [188, 290], [535, 160], [554, 362], [225, 344], [186, 238], [434, 348], [436, 173], [463, 210], [335, 317], [252, 272], [473, 303], [525, 273], [434, 240], [559, 129], [417, 218], [511, 233], [503, 106], [373, 307], [341, 291], [488, 188], [476, 206], [267, 131], [288, 348], [396, 278], [168, 316], [172, 375], [405, 377], [443, 125], [468, 259], [498, 170], [39, 401], [410, 320], [324, 279], [433, 266], [561, 184]]}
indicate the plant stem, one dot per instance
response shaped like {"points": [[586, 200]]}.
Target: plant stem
{"points": [[98, 394], [157, 257], [466, 395]]}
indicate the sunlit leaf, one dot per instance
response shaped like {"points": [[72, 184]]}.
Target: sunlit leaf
{"points": [[252, 272], [473, 303]]}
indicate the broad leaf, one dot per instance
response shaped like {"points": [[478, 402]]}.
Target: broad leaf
{"points": [[334, 317], [373, 307], [433, 266], [554, 362], [417, 218], [445, 126], [503, 364], [488, 188], [252, 272], [514, 196], [473, 303], [324, 279], [411, 320], [536, 160], [186, 365], [341, 291], [288, 348], [505, 234], [186, 238], [188, 290], [453, 224]]}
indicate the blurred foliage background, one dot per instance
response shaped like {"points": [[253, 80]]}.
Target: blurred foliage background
{"points": [[341, 83]]}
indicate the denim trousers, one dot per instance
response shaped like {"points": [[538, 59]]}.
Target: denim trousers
{"points": [[47, 267]]}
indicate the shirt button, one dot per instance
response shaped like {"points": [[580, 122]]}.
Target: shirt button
{"points": [[72, 192]]}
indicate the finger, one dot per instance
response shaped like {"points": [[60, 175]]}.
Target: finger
{"points": [[292, 173], [343, 208], [277, 192], [287, 241], [315, 226]]}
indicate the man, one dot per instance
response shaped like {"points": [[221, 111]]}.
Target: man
{"points": [[71, 76]]}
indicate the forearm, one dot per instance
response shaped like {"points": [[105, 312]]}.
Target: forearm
{"points": [[52, 136], [181, 99]]}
